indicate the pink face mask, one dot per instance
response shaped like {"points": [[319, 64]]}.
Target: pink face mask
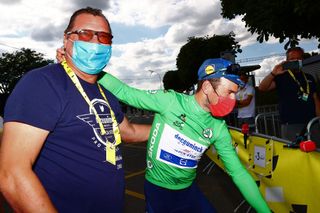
{"points": [[224, 106]]}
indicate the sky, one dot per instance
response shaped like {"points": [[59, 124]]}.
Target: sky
{"points": [[148, 34]]}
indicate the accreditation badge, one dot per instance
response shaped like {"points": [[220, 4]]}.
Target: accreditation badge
{"points": [[111, 153], [305, 96]]}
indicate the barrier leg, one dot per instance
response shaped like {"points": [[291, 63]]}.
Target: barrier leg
{"points": [[240, 204], [249, 209], [208, 167]]}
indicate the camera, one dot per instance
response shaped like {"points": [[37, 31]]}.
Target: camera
{"points": [[292, 65]]}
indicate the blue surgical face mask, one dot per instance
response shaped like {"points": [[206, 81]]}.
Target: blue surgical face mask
{"points": [[89, 57]]}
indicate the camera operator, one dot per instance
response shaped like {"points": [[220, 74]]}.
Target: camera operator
{"points": [[296, 90]]}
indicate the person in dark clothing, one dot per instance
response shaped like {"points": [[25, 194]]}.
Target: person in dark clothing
{"points": [[298, 100]]}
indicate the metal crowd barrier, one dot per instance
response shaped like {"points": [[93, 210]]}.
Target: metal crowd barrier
{"points": [[286, 143], [311, 122], [268, 123]]}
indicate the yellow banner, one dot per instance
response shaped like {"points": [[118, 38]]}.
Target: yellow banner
{"points": [[289, 179]]}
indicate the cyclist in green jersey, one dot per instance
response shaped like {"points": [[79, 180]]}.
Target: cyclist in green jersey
{"points": [[182, 130], [184, 127]]}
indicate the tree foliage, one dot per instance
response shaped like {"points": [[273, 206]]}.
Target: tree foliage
{"points": [[14, 65], [283, 19], [171, 80], [196, 50]]}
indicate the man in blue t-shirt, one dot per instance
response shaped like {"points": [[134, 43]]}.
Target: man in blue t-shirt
{"points": [[298, 100], [59, 151]]}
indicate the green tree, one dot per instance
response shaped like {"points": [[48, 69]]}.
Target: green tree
{"points": [[171, 80], [284, 19], [196, 50], [14, 65]]}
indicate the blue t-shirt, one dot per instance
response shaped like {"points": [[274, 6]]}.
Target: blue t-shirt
{"points": [[71, 164], [292, 108]]}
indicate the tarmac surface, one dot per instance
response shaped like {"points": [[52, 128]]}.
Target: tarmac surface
{"points": [[215, 184], [213, 181]]}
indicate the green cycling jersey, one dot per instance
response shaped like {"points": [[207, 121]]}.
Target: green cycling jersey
{"points": [[181, 132]]}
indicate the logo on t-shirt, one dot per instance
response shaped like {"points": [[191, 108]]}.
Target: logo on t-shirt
{"points": [[104, 113]]}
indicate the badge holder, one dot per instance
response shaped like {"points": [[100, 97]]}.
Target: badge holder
{"points": [[305, 96]]}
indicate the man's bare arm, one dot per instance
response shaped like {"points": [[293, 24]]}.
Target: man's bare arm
{"points": [[245, 102], [268, 83], [134, 132], [21, 145]]}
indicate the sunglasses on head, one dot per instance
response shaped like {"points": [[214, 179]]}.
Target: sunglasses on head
{"points": [[233, 69], [87, 35]]}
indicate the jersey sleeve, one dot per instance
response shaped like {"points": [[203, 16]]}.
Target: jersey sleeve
{"points": [[34, 101], [238, 173], [115, 106], [156, 101]]}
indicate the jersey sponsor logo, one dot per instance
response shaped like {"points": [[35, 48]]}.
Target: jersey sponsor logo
{"points": [[180, 124], [152, 91], [104, 114], [183, 117], [207, 133], [176, 160], [178, 150], [149, 164], [153, 139], [187, 143]]}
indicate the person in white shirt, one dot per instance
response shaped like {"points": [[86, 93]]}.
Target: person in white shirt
{"points": [[246, 102]]}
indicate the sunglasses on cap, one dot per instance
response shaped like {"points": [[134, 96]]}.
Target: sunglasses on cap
{"points": [[87, 35], [233, 69]]}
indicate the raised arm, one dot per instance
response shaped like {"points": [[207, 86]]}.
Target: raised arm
{"points": [[21, 144], [156, 101], [268, 83], [245, 102]]}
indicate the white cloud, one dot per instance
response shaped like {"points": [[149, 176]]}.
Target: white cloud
{"points": [[9, 2], [136, 59], [267, 66], [39, 25], [184, 18]]}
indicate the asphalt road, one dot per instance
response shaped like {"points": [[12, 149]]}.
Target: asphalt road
{"points": [[215, 184]]}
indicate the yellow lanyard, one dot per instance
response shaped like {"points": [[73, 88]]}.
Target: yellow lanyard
{"points": [[304, 93], [110, 147]]}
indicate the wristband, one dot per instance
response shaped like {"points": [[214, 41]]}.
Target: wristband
{"points": [[274, 75]]}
